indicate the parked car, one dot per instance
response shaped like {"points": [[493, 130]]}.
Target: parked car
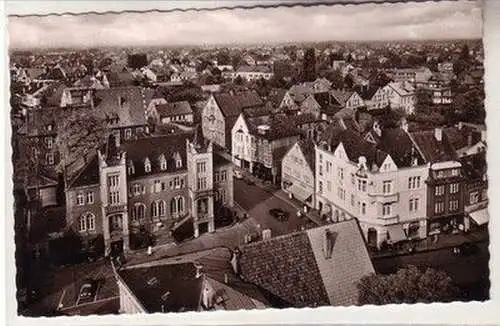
{"points": [[237, 174], [279, 214], [88, 290]]}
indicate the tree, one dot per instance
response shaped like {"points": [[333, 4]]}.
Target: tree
{"points": [[309, 65], [408, 285], [79, 134]]}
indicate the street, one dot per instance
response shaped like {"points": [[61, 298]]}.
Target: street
{"points": [[258, 201], [470, 273]]}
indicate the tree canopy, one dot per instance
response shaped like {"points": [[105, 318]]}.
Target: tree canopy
{"points": [[408, 285]]}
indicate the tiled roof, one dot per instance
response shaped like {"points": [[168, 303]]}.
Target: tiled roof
{"points": [[286, 267], [175, 108], [354, 145], [178, 280], [307, 148], [127, 103], [398, 144], [323, 99], [276, 96], [279, 127], [341, 96], [89, 175], [432, 149], [348, 264], [232, 104], [366, 93], [216, 267], [403, 89], [294, 268]]}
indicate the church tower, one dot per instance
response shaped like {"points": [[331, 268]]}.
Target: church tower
{"points": [[200, 182], [113, 191]]}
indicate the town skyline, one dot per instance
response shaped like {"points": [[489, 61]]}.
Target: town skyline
{"points": [[326, 23]]}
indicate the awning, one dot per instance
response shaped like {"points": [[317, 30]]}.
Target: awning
{"points": [[299, 193], [480, 216], [396, 233]]}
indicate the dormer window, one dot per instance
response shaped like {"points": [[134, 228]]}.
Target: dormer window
{"points": [[163, 162], [147, 165], [130, 168], [178, 160]]}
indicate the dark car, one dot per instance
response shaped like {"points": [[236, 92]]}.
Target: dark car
{"points": [[466, 249], [88, 291], [279, 214]]}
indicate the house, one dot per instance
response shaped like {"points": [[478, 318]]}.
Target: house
{"points": [[260, 142], [476, 189], [381, 185], [175, 112], [408, 74], [309, 125], [201, 281], [466, 138], [155, 183], [250, 73], [445, 184], [373, 97], [438, 86], [312, 268], [349, 100], [124, 109], [401, 96], [221, 112], [297, 172]]}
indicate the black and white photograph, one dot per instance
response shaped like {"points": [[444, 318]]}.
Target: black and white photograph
{"points": [[269, 157]]}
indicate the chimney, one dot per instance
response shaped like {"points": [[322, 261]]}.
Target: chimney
{"points": [[328, 242], [226, 278], [483, 135], [376, 128], [207, 297], [438, 134], [404, 124], [460, 125], [469, 140]]}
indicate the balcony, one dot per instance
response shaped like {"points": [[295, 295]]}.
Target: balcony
{"points": [[111, 209], [390, 219], [384, 198]]}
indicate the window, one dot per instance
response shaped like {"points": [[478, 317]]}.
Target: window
{"points": [[128, 133], [147, 165], [157, 186], [154, 209], [320, 187], [177, 182], [363, 208], [202, 183], [453, 205], [455, 172], [341, 193], [223, 175], [321, 170], [90, 197], [413, 229], [438, 207], [87, 222], [453, 188], [49, 158], [130, 168], [329, 185], [341, 173], [180, 204], [163, 163], [413, 182], [439, 191], [178, 163], [352, 200], [353, 179], [162, 208], [362, 185], [201, 167], [414, 202], [320, 158], [113, 181], [114, 197], [139, 211], [387, 187], [50, 142], [83, 223], [80, 200], [474, 197], [386, 209], [329, 166]]}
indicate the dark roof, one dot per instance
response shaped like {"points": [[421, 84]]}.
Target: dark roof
{"points": [[178, 280], [432, 149], [474, 166], [276, 96], [366, 93], [38, 121], [286, 267], [459, 138], [398, 144], [53, 94], [307, 148], [233, 104], [341, 96], [89, 175], [305, 118], [323, 99], [354, 145], [127, 103], [279, 126], [173, 109], [294, 268], [120, 79]]}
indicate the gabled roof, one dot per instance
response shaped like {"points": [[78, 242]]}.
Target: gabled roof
{"points": [[366, 93], [173, 109], [276, 96], [433, 150], [294, 268], [127, 103], [307, 148], [403, 89], [341, 96], [233, 104], [279, 127], [398, 144]]}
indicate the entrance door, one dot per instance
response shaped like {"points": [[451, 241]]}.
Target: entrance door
{"points": [[372, 237], [116, 248], [203, 228]]}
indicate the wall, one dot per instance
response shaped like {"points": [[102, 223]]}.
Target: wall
{"points": [[215, 129]]}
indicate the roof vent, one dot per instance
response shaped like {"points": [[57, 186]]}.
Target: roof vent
{"points": [[438, 134], [165, 295], [153, 281], [328, 242], [263, 129]]}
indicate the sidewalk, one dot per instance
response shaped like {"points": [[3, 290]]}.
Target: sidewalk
{"points": [[444, 241]]}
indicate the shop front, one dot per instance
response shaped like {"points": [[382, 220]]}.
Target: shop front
{"points": [[445, 225]]}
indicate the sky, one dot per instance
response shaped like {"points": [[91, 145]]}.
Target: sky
{"points": [[362, 22]]}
